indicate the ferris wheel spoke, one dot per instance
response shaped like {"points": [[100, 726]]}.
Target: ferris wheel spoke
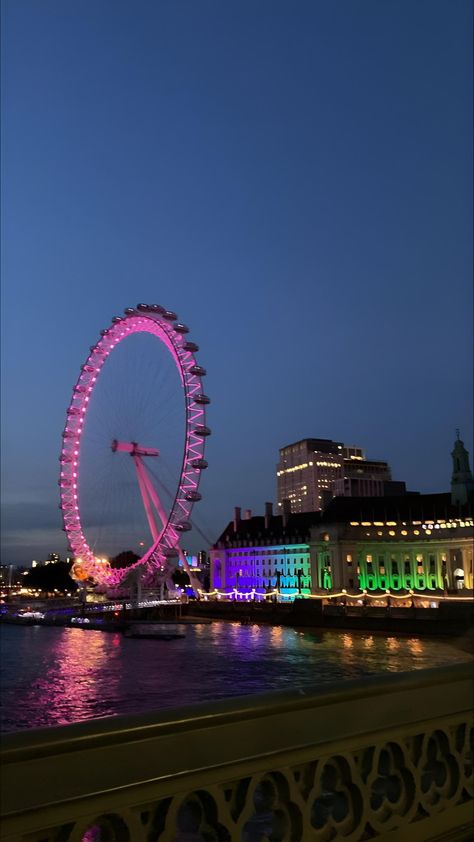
{"points": [[164, 468]]}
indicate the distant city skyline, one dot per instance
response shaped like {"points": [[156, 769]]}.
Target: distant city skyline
{"points": [[297, 186]]}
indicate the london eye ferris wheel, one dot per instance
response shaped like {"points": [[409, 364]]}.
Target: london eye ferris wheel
{"points": [[138, 404]]}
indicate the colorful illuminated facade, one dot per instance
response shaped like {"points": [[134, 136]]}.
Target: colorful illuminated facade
{"points": [[261, 554], [412, 542], [415, 542]]}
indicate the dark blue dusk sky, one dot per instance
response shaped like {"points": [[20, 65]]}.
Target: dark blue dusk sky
{"points": [[294, 179]]}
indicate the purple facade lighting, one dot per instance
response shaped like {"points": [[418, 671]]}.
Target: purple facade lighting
{"points": [[155, 320]]}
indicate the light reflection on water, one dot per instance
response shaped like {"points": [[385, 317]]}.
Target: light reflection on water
{"points": [[55, 676], [71, 682]]}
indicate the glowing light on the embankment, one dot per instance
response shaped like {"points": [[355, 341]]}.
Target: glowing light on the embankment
{"points": [[382, 597]]}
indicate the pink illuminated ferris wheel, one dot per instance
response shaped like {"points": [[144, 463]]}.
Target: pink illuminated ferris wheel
{"points": [[132, 443]]}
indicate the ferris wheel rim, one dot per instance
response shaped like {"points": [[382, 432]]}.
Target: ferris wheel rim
{"points": [[164, 325]]}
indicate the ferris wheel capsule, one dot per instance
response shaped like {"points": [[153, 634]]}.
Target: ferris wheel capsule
{"points": [[198, 370], [194, 496], [183, 526], [202, 430], [199, 464]]}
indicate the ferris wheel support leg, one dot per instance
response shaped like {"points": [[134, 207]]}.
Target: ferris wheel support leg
{"points": [[139, 587], [142, 482], [195, 583], [154, 496]]}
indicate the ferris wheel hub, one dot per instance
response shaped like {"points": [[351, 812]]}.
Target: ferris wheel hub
{"points": [[133, 448]]}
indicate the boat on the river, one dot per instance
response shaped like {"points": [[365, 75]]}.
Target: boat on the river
{"points": [[148, 632]]}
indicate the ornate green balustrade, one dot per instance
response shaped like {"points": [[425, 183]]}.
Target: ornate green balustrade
{"points": [[386, 758]]}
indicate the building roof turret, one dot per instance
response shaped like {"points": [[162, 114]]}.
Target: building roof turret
{"points": [[462, 483]]}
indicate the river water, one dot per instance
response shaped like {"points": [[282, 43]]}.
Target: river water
{"points": [[52, 676]]}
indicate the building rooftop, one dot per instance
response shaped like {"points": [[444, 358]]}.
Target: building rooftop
{"points": [[295, 531], [406, 507], [322, 445], [400, 508], [363, 464]]}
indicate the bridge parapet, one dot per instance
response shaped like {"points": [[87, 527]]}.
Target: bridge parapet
{"points": [[380, 758]]}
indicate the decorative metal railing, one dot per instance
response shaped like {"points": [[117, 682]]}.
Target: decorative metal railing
{"points": [[387, 758]]}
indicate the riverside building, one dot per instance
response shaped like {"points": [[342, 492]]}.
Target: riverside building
{"points": [[410, 542], [312, 471], [259, 554]]}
